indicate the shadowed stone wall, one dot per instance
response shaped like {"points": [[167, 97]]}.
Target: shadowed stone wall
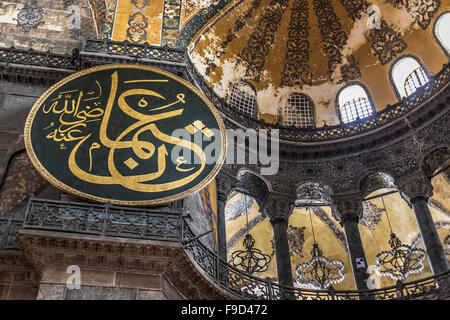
{"points": [[56, 29]]}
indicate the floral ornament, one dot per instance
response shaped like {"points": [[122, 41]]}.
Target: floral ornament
{"points": [[386, 43], [250, 260], [401, 261], [371, 215], [260, 41], [29, 17], [421, 10], [319, 272]]}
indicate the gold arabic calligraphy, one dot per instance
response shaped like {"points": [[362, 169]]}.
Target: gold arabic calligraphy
{"points": [[72, 130]]}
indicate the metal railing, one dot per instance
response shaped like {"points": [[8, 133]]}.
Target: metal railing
{"points": [[248, 286], [41, 59], [105, 220], [169, 225], [140, 51]]}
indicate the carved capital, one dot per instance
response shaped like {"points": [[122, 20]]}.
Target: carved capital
{"points": [[278, 208], [414, 185], [348, 206], [252, 185], [224, 185]]}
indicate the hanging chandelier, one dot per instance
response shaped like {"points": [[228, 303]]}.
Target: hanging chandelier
{"points": [[251, 259], [319, 272], [402, 260]]}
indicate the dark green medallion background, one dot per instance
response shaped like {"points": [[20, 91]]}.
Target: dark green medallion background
{"points": [[51, 157]]}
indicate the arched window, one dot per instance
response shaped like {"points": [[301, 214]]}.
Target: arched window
{"points": [[408, 75], [354, 103], [298, 111], [243, 98], [442, 31]]}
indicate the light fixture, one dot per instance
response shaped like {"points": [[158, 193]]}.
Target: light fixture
{"points": [[402, 260], [251, 259], [319, 272]]}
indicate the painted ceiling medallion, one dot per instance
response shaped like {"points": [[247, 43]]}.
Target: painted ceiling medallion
{"points": [[30, 17], [111, 134]]}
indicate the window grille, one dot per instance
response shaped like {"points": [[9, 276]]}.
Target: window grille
{"points": [[299, 111], [415, 80], [242, 100], [356, 108]]}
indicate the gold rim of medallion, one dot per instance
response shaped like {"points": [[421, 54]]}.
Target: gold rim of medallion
{"points": [[58, 184]]}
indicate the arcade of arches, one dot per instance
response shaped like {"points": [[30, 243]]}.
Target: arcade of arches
{"points": [[355, 93]]}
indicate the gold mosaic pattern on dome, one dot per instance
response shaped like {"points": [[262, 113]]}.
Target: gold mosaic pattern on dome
{"points": [[314, 47]]}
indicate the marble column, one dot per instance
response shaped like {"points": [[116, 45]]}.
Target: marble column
{"points": [[416, 189], [224, 185], [349, 211], [278, 209], [433, 245], [221, 225], [283, 259]]}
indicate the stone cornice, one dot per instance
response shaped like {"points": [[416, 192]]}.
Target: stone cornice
{"points": [[43, 248]]}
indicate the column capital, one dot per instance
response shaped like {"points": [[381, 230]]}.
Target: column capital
{"points": [[348, 206], [414, 185], [224, 185], [278, 208]]}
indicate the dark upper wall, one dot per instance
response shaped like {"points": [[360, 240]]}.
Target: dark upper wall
{"points": [[53, 21], [16, 100]]}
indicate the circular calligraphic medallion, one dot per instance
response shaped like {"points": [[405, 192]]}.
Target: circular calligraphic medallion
{"points": [[126, 134]]}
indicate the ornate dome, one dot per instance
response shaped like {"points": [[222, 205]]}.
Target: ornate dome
{"points": [[267, 57]]}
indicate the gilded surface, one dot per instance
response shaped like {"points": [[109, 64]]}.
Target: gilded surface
{"points": [[107, 134]]}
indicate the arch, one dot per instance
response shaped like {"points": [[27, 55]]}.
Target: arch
{"points": [[375, 181], [243, 98], [353, 102], [441, 31], [407, 74], [297, 111], [98, 10], [253, 185], [435, 160], [312, 192]]}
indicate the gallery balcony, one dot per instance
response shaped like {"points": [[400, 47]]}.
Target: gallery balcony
{"points": [[69, 233]]}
